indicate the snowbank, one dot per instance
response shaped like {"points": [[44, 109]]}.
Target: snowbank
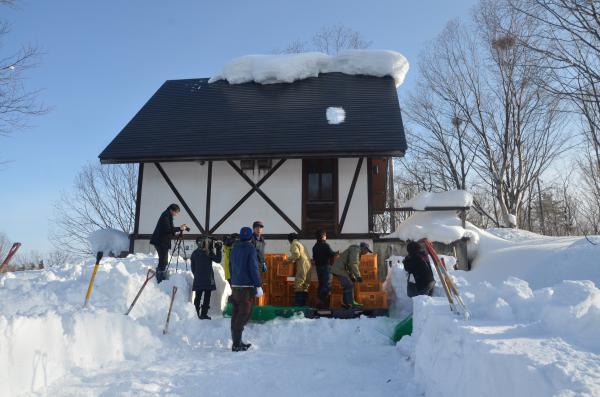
{"points": [[287, 68], [109, 241], [520, 342], [530, 335], [452, 198], [45, 333]]}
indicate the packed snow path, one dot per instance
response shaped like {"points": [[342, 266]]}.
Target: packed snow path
{"points": [[50, 345], [296, 357]]}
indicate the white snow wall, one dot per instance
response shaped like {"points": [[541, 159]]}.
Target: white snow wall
{"points": [[284, 187]]}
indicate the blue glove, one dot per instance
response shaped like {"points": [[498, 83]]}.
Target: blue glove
{"points": [[264, 268]]}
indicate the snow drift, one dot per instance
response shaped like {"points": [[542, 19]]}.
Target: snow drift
{"points": [[287, 68], [530, 335]]}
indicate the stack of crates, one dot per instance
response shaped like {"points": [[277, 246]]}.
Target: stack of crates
{"points": [[274, 281], [369, 292]]}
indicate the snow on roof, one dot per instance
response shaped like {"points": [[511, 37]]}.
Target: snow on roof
{"points": [[440, 226], [335, 115], [287, 68], [452, 198]]}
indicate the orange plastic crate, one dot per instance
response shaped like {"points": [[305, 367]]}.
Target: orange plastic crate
{"points": [[368, 264], [285, 269], [278, 300], [368, 286], [262, 301], [336, 301], [372, 300]]}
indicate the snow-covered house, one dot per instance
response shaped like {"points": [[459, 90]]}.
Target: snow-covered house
{"points": [[312, 149]]}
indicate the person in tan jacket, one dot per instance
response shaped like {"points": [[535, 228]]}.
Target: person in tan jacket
{"points": [[346, 269], [300, 258]]}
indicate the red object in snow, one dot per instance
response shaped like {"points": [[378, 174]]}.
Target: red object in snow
{"points": [[13, 250]]}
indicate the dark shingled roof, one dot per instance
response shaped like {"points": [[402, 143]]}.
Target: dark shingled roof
{"points": [[195, 120]]}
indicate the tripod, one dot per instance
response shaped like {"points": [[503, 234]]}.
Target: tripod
{"points": [[177, 248]]}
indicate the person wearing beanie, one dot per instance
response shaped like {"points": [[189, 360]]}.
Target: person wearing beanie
{"points": [[417, 263], [259, 243], [302, 280], [245, 286], [346, 269]]}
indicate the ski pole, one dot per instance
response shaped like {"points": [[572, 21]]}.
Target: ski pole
{"points": [[170, 309], [99, 255], [151, 273]]}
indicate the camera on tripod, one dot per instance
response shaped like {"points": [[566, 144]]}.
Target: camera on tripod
{"points": [[209, 242]]}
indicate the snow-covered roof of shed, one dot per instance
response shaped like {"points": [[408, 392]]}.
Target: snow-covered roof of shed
{"points": [[287, 68]]}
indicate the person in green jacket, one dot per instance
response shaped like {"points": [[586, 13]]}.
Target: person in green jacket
{"points": [[228, 242], [346, 269]]}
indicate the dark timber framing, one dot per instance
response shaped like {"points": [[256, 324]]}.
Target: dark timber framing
{"points": [[350, 194], [208, 194], [256, 188], [179, 197], [247, 195], [370, 193], [138, 206]]}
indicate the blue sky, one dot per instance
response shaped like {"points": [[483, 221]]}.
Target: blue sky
{"points": [[102, 60]]}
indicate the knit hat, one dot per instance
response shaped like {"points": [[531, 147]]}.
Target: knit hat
{"points": [[245, 233]]}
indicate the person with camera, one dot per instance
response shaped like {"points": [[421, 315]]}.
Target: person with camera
{"points": [[346, 269], [259, 243], [208, 251], [161, 238], [245, 286], [228, 243]]}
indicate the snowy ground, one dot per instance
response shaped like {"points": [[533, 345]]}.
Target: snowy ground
{"points": [[534, 332], [49, 345]]}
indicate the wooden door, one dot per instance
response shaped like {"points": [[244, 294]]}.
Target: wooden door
{"points": [[320, 195]]}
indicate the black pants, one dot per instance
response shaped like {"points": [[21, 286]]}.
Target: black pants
{"points": [[324, 282], [205, 303], [163, 258], [242, 299]]}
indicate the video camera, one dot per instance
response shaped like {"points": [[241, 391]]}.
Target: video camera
{"points": [[209, 242]]}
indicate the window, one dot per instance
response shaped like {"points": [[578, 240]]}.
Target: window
{"points": [[320, 202], [264, 164]]}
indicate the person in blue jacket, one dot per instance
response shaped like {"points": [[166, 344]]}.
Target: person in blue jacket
{"points": [[245, 286]]}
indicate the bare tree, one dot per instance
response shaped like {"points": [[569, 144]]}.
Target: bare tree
{"points": [[480, 108], [5, 245], [103, 197], [57, 258], [17, 103], [333, 39], [329, 40]]}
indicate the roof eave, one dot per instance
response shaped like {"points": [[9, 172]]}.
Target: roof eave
{"points": [[392, 153]]}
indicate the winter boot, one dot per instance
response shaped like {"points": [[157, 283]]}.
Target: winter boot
{"points": [[204, 314], [239, 348], [356, 305], [246, 345]]}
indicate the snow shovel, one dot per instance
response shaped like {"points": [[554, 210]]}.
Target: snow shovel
{"points": [[13, 250], [403, 328], [99, 255], [151, 273], [170, 309]]}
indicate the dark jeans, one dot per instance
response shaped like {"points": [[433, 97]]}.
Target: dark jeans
{"points": [[205, 303], [348, 290], [242, 299], [163, 260], [324, 282]]}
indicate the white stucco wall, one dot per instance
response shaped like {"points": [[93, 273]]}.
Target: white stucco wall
{"points": [[284, 188], [357, 219]]}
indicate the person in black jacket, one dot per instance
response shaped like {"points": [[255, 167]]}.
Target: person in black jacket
{"points": [[323, 257], [417, 264], [204, 276], [258, 241], [161, 238]]}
